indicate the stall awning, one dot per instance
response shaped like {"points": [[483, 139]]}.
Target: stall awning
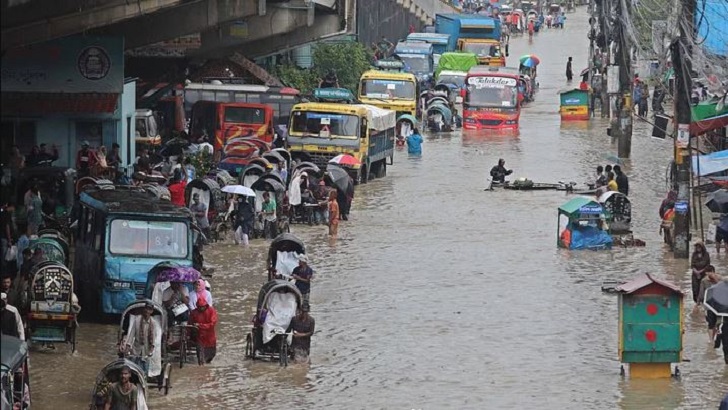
{"points": [[710, 164], [14, 104], [707, 117]]}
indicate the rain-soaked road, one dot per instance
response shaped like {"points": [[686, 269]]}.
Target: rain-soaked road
{"points": [[438, 295]]}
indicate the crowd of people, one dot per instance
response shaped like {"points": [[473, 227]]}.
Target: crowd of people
{"points": [[611, 178]]}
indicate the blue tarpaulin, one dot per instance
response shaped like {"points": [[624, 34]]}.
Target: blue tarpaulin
{"points": [[712, 25], [589, 237], [710, 164]]}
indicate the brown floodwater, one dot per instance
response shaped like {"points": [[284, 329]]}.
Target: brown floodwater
{"points": [[440, 295]]}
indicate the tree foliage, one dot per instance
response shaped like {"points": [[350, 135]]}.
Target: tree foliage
{"points": [[348, 59]]}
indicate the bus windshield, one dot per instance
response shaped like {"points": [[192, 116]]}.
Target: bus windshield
{"points": [[244, 115], [493, 92], [388, 89], [148, 238], [325, 125]]}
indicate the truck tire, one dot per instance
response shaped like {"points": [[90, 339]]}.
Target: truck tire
{"points": [[382, 170]]}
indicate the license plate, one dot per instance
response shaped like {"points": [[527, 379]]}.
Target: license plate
{"points": [[314, 148]]}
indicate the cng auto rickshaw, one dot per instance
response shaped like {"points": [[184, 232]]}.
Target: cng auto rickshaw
{"points": [[582, 225], [574, 104]]}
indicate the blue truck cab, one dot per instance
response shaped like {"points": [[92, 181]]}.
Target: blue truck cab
{"points": [[417, 57], [122, 234], [473, 33], [440, 43]]}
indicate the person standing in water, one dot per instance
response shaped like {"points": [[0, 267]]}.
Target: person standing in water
{"points": [[569, 72], [414, 143]]}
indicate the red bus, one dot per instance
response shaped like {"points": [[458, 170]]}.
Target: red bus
{"points": [[225, 123], [490, 98]]}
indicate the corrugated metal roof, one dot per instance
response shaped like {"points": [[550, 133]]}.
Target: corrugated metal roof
{"points": [[645, 280]]}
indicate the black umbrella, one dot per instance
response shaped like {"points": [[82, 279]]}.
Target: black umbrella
{"points": [[338, 177], [716, 297], [718, 201]]}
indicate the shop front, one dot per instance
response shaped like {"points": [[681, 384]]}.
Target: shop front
{"points": [[63, 92]]}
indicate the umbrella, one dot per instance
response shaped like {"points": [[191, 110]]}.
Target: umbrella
{"points": [[716, 298], [346, 160], [584, 72], [529, 60], [179, 274], [338, 176], [718, 201], [238, 190]]}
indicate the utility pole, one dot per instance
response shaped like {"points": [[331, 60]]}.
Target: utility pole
{"points": [[681, 52], [623, 60], [605, 10]]}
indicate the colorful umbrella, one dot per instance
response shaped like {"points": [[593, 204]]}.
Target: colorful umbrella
{"points": [[529, 60], [345, 160]]}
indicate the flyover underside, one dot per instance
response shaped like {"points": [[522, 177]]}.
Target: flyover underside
{"points": [[23, 28]]}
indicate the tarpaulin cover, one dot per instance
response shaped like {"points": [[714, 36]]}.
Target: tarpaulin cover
{"points": [[710, 164], [286, 262], [456, 62], [281, 309], [379, 118], [590, 237]]}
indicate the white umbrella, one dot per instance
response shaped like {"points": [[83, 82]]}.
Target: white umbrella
{"points": [[238, 190]]}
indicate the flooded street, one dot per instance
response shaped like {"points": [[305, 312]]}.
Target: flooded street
{"points": [[438, 294]]}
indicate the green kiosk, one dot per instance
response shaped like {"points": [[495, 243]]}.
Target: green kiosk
{"points": [[650, 327]]}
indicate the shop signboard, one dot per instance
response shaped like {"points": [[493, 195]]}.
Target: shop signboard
{"points": [[76, 64]]}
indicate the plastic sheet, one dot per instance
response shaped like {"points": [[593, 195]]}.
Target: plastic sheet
{"points": [[155, 362], [286, 262], [590, 237], [281, 309]]}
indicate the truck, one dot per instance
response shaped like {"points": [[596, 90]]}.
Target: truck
{"points": [[474, 33], [440, 43], [417, 57], [321, 130]]}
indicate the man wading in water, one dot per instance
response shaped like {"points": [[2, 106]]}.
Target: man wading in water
{"points": [[303, 326], [499, 172], [123, 394]]}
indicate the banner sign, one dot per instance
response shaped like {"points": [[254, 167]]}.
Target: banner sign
{"points": [[74, 64], [492, 82]]}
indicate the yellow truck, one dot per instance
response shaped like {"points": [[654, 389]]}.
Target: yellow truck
{"points": [[322, 130], [389, 90]]}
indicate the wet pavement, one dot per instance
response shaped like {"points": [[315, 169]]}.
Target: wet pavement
{"points": [[438, 294]]}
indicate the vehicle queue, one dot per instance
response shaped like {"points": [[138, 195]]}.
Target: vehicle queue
{"points": [[139, 246]]}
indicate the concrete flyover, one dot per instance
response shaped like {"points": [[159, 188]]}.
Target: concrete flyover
{"points": [[284, 26], [33, 21]]}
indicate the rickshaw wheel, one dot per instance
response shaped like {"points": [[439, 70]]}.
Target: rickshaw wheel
{"points": [[167, 378], [73, 338], [182, 347], [249, 347], [284, 352]]}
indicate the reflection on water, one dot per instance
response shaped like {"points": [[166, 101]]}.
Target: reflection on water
{"points": [[438, 294]]}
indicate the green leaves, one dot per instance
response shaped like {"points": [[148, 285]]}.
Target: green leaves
{"points": [[348, 59]]}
